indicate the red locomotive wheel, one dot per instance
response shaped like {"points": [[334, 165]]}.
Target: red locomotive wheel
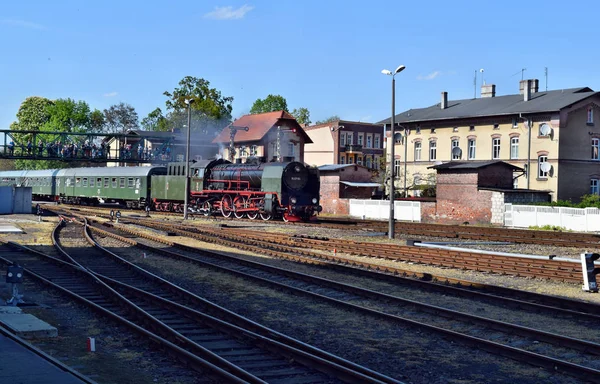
{"points": [[226, 206], [239, 202]]}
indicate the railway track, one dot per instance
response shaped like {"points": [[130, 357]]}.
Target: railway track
{"points": [[463, 232], [235, 354], [533, 343]]}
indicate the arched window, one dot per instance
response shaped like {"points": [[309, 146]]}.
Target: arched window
{"points": [[541, 173]]}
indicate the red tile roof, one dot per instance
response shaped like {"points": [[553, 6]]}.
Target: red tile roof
{"points": [[259, 125]]}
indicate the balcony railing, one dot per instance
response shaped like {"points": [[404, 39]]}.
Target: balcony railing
{"points": [[354, 148]]}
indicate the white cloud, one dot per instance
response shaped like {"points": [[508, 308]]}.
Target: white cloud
{"points": [[229, 13], [22, 23], [110, 94], [431, 76], [366, 118]]}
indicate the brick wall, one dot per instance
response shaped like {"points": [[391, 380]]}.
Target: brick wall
{"points": [[459, 200]]}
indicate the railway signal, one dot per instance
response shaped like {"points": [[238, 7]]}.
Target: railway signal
{"points": [[14, 276], [589, 271]]}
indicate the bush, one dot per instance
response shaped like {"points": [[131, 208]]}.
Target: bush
{"points": [[549, 228], [587, 201]]}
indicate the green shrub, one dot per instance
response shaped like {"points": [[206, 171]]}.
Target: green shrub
{"points": [[549, 228], [587, 201]]}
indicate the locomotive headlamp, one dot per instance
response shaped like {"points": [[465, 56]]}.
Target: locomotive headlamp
{"points": [[314, 200], [293, 200]]}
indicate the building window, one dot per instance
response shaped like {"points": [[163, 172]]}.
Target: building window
{"points": [[496, 126], [376, 142], [595, 146], [291, 149], [418, 129], [496, 148], [541, 173], [471, 128], [397, 138], [594, 187], [360, 139], [397, 167], [359, 160], [342, 159], [376, 162], [590, 115], [417, 151], [471, 145], [368, 162], [253, 150], [455, 129], [342, 139], [349, 138], [514, 148], [515, 122], [432, 150], [432, 130], [369, 141], [452, 146]]}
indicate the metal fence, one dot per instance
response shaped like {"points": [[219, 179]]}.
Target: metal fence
{"points": [[575, 219], [380, 210]]}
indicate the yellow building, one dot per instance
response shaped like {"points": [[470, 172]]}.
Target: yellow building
{"points": [[551, 134]]}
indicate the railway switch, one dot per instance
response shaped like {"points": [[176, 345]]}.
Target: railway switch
{"points": [[589, 271]]}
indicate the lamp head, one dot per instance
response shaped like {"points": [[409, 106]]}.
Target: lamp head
{"points": [[399, 69], [188, 101], [386, 72]]}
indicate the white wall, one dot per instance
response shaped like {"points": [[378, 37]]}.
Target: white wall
{"points": [[380, 210], [574, 219]]}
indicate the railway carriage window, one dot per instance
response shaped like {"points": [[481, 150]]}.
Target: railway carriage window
{"points": [[130, 182], [85, 180], [137, 183], [78, 180], [68, 181], [113, 182], [121, 182], [91, 182], [105, 182]]}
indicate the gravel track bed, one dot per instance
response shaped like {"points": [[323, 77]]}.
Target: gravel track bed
{"points": [[399, 351]]}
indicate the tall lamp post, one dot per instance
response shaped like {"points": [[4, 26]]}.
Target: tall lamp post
{"points": [[188, 102], [393, 144]]}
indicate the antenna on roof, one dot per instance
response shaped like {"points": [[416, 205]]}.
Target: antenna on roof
{"points": [[475, 85], [522, 72], [482, 79], [546, 74]]}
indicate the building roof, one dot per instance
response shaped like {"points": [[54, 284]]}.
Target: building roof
{"points": [[258, 126], [549, 101], [360, 185], [338, 122], [334, 167], [472, 164]]}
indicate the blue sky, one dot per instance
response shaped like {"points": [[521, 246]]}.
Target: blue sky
{"points": [[323, 55]]}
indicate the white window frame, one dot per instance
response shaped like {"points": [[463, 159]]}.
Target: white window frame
{"points": [[594, 187], [590, 115], [542, 174], [432, 150], [418, 149], [472, 147], [342, 159], [377, 141], [454, 144], [514, 147], [253, 150], [360, 139], [496, 148], [343, 139], [369, 163], [349, 138], [369, 142], [397, 164], [595, 148]]}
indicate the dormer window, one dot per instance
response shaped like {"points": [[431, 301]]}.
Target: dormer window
{"points": [[472, 128], [590, 116], [496, 126], [432, 130], [418, 129], [455, 129]]}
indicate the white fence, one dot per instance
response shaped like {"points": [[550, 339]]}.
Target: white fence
{"points": [[380, 209], [575, 219]]}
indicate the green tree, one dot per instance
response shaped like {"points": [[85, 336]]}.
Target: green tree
{"points": [[155, 121], [302, 115], [97, 121], [33, 114], [67, 115], [211, 111], [120, 117], [329, 119], [271, 103]]}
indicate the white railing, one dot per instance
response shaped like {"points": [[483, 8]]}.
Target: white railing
{"points": [[380, 209], [574, 219]]}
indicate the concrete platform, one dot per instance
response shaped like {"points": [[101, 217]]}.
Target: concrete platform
{"points": [[25, 325], [9, 228], [24, 364]]}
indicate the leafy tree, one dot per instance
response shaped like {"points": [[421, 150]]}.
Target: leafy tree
{"points": [[302, 115], [67, 115], [270, 104], [120, 117], [210, 111], [329, 119], [155, 121], [97, 121], [33, 114]]}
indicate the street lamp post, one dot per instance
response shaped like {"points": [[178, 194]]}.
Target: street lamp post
{"points": [[187, 159], [393, 144]]}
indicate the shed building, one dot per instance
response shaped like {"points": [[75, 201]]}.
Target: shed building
{"points": [[341, 182]]}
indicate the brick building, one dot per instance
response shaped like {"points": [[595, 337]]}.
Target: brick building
{"points": [[476, 192], [341, 182]]}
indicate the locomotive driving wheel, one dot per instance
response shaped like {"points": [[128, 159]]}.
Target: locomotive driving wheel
{"points": [[239, 202], [226, 206], [266, 216]]}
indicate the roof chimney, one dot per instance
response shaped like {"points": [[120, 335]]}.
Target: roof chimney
{"points": [[488, 90], [533, 88], [527, 90], [444, 103]]}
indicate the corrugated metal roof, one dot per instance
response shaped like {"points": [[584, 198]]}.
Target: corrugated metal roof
{"points": [[334, 167], [549, 101], [360, 185], [258, 126], [476, 164]]}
